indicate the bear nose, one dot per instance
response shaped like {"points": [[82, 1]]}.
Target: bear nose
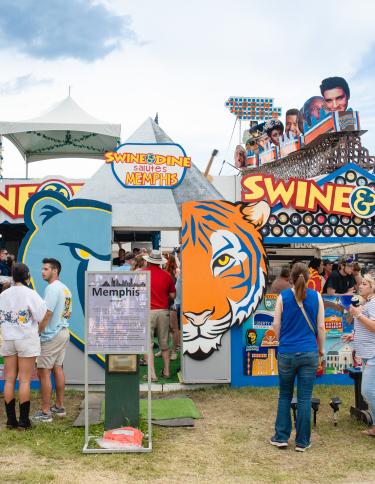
{"points": [[198, 319]]}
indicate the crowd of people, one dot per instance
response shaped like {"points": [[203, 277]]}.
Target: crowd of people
{"points": [[300, 330], [324, 276], [34, 333], [165, 300]]}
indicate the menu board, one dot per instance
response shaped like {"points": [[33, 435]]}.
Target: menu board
{"points": [[117, 312]]}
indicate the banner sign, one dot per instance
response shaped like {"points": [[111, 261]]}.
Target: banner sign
{"points": [[117, 312], [13, 196], [149, 165], [339, 206]]}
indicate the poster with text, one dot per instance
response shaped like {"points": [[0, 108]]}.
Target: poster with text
{"points": [[117, 316]]}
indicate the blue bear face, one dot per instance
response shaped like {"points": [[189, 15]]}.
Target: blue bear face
{"points": [[78, 234]]}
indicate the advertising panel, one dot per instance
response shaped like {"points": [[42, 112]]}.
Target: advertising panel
{"points": [[118, 305]]}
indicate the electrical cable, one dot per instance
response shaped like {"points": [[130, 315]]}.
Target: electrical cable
{"points": [[230, 140]]}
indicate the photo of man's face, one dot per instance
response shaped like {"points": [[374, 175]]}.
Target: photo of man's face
{"points": [[291, 125], [336, 99], [315, 107]]}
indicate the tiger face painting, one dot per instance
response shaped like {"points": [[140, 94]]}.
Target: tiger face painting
{"points": [[224, 270]]}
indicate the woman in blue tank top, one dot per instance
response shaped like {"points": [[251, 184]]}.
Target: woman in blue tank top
{"points": [[299, 326]]}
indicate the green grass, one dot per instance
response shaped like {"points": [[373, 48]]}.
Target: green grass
{"points": [[230, 444]]}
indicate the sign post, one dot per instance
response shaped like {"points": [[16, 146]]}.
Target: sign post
{"points": [[117, 325]]}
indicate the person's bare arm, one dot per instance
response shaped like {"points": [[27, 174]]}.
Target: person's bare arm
{"points": [[277, 317], [364, 320], [321, 326], [172, 296], [331, 291], [42, 325]]}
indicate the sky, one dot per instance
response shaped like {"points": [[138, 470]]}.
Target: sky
{"points": [[127, 60]]}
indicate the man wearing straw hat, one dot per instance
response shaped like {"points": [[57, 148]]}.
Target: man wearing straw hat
{"points": [[162, 291]]}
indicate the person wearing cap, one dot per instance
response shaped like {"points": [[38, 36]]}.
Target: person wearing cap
{"points": [[341, 281], [364, 342], [162, 292]]}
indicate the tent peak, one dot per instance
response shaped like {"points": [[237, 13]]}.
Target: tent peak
{"points": [[149, 132]]}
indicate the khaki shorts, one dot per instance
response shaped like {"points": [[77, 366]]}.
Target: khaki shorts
{"points": [[160, 324], [24, 348], [53, 351]]}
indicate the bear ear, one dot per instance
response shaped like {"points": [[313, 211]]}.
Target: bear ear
{"points": [[256, 214], [44, 209]]}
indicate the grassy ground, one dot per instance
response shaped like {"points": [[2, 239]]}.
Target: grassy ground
{"points": [[230, 444]]}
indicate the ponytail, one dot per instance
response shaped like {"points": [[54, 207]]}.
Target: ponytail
{"points": [[300, 276]]}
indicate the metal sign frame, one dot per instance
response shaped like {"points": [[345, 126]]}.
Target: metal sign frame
{"points": [[86, 449]]}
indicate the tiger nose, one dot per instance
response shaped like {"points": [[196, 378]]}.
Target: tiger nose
{"points": [[198, 319]]}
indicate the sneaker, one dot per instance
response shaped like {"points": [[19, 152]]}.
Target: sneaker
{"points": [[173, 356], [42, 417], [59, 411], [300, 448], [276, 443], [158, 354]]}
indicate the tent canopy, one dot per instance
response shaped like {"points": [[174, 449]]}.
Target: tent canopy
{"points": [[65, 131], [145, 208]]}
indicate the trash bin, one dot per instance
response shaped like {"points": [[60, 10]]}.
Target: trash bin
{"points": [[360, 411]]}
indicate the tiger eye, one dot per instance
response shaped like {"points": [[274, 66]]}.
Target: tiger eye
{"points": [[223, 260]]}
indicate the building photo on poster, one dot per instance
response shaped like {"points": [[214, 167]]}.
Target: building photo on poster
{"points": [[117, 312]]}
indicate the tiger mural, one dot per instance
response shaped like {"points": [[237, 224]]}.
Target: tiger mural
{"points": [[224, 270]]}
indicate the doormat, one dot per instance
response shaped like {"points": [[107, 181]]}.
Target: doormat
{"points": [[170, 408]]}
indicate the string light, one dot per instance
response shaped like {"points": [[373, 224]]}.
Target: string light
{"points": [[68, 141]]}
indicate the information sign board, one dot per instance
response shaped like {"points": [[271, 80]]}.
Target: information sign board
{"points": [[117, 305]]}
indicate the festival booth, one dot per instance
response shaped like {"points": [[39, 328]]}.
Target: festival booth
{"points": [[311, 186], [140, 188], [323, 194]]}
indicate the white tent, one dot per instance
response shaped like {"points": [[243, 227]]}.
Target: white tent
{"points": [[66, 131]]}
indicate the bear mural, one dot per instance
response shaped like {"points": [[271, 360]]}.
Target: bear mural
{"points": [[75, 232]]}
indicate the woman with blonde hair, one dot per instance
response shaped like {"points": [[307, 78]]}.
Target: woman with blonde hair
{"points": [[364, 342], [299, 327]]}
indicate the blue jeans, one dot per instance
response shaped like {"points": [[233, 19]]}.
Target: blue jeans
{"points": [[303, 366], [368, 384]]}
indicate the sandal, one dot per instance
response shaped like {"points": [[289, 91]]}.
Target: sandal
{"points": [[163, 375], [369, 432]]}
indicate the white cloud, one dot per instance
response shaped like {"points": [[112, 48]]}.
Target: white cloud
{"points": [[195, 55]]}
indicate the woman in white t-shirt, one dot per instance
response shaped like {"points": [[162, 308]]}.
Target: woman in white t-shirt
{"points": [[21, 310], [364, 342]]}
